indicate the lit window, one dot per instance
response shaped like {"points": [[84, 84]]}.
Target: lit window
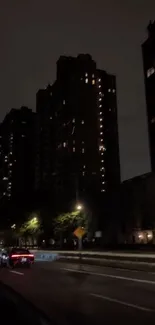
{"points": [[102, 161], [73, 120], [109, 90], [86, 74], [4, 193], [10, 164], [101, 119], [5, 160], [102, 168], [100, 106], [150, 72], [101, 153], [114, 90], [93, 76], [10, 152], [84, 166], [100, 93], [10, 183], [102, 190], [101, 126], [83, 173], [82, 122], [93, 82], [82, 150], [109, 109], [50, 117], [86, 80], [102, 175], [5, 178], [83, 142], [23, 136], [153, 120], [101, 148], [64, 144], [100, 99], [99, 80], [103, 182], [99, 86], [101, 140], [100, 113], [73, 141], [64, 102], [101, 133], [73, 149]]}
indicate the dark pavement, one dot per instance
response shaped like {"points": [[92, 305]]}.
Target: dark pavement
{"points": [[74, 295]]}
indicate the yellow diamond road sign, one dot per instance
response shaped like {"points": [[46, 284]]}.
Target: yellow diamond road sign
{"points": [[79, 232]]}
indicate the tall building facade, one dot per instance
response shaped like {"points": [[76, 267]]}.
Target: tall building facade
{"points": [[148, 50], [17, 155], [78, 122]]}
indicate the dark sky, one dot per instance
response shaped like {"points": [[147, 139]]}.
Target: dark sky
{"points": [[34, 33]]}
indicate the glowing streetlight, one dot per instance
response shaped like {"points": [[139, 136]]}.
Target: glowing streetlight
{"points": [[79, 207]]}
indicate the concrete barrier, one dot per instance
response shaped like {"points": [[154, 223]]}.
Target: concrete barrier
{"points": [[45, 256]]}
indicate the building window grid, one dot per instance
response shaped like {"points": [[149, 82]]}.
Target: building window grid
{"points": [[101, 147]]}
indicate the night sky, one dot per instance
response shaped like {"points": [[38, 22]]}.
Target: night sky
{"points": [[33, 34]]}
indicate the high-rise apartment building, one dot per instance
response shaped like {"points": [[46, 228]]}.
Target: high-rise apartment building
{"points": [[148, 49], [17, 155], [78, 151]]}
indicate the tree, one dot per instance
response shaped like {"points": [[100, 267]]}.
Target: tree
{"points": [[66, 223], [31, 227]]}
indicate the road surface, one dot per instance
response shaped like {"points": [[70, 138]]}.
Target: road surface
{"points": [[86, 295]]}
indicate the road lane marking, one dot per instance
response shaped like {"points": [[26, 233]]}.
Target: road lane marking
{"points": [[110, 276], [121, 302], [16, 272]]}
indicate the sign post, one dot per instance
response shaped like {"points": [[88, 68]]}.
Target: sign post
{"points": [[79, 233]]}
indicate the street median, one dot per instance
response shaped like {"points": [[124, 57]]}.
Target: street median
{"points": [[134, 261]]}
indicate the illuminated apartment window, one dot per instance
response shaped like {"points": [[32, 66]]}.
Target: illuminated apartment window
{"points": [[99, 80], [82, 122], [102, 161], [86, 80], [73, 120], [86, 74], [101, 148], [50, 117], [100, 99], [83, 173], [84, 166], [93, 76], [23, 122], [101, 119], [101, 126], [64, 144], [101, 153], [150, 72], [114, 90], [10, 164], [102, 175], [100, 113], [101, 140], [73, 149], [102, 190], [99, 86], [64, 102], [100, 93], [101, 133], [10, 152], [23, 136], [93, 82], [82, 150], [5, 178], [100, 106], [109, 90], [103, 182], [109, 109]]}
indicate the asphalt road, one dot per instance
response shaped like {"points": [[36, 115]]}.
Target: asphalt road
{"points": [[86, 295]]}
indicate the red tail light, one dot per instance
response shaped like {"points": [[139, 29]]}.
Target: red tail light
{"points": [[22, 255]]}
